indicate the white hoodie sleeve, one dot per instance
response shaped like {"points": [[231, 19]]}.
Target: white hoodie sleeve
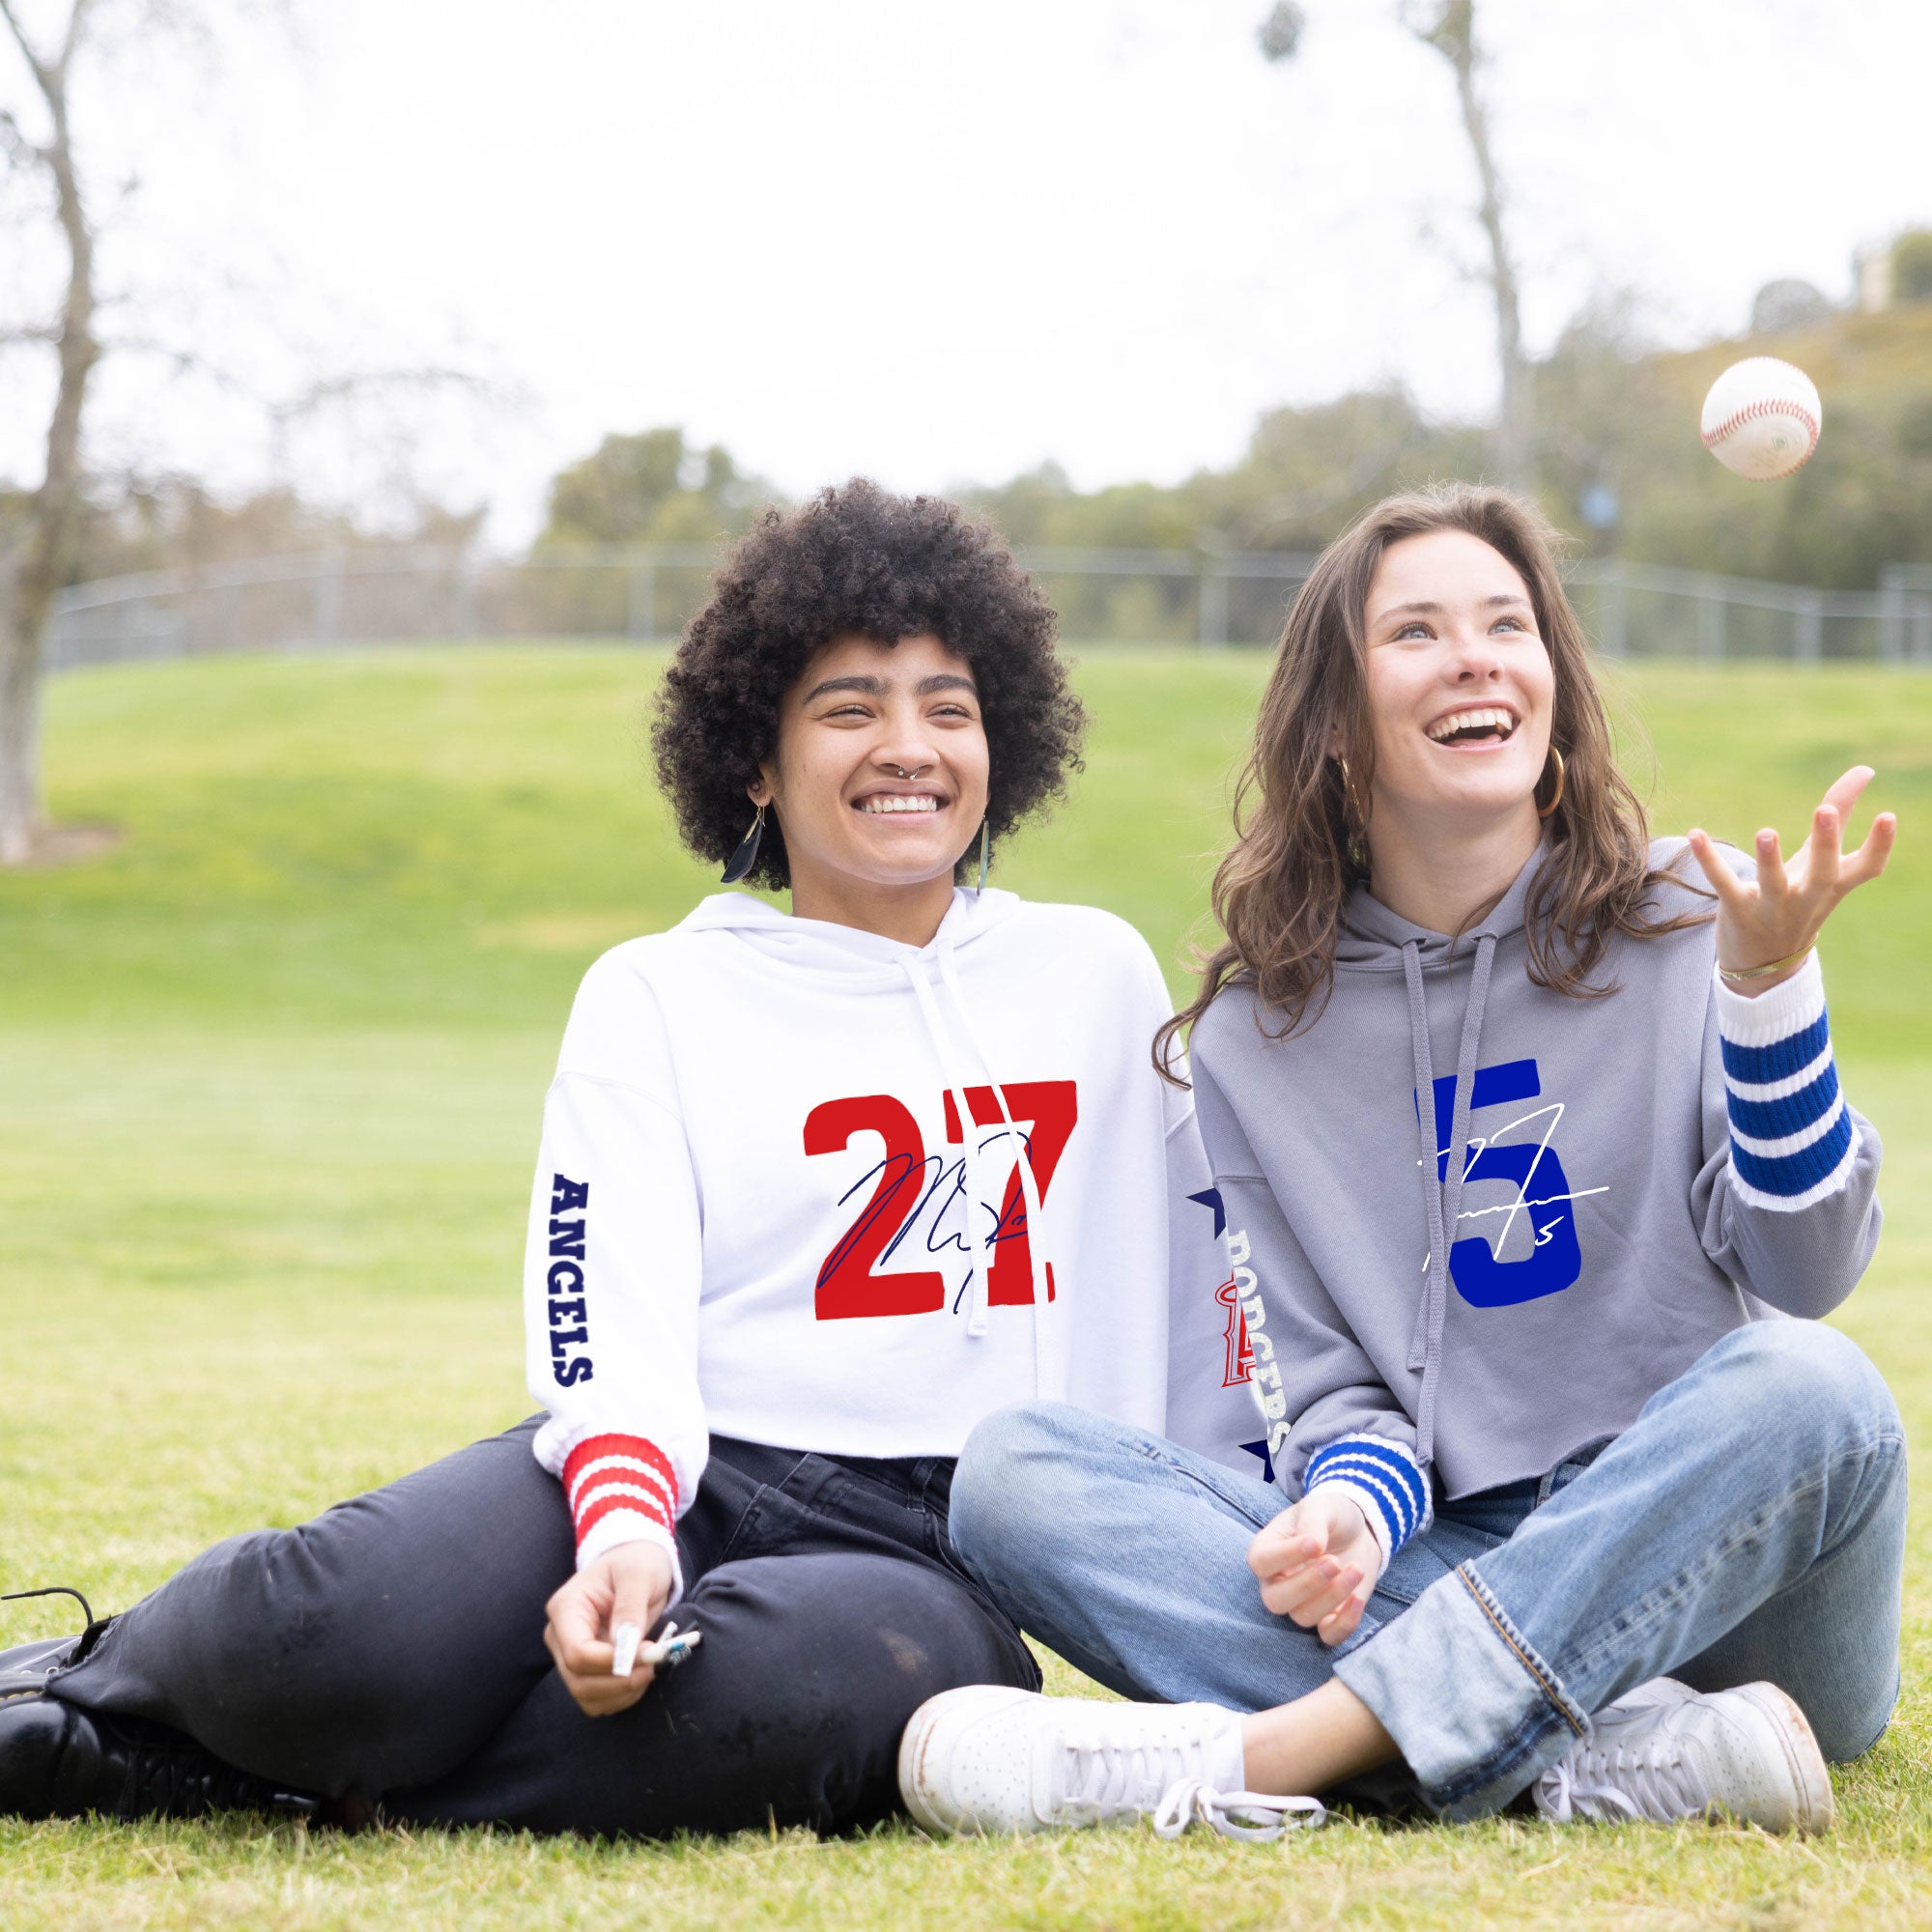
{"points": [[611, 1276]]}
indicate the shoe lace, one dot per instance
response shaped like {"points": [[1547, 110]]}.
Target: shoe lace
{"points": [[1647, 1778], [1235, 1814], [93, 1630], [1103, 1778]]}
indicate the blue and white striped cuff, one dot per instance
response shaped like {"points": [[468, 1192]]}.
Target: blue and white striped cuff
{"points": [[1384, 1478], [1793, 1141]]}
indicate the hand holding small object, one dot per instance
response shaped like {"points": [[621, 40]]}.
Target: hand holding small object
{"points": [[629, 1649], [629, 1585]]}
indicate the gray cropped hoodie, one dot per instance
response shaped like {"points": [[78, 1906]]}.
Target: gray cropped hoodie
{"points": [[1638, 1174]]}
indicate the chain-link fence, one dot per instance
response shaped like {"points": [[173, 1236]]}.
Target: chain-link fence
{"points": [[1641, 610], [1205, 597]]}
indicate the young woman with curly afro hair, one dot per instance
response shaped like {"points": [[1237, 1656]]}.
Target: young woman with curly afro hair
{"points": [[818, 1190]]}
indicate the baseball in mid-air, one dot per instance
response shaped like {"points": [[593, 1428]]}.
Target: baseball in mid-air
{"points": [[1762, 417]]}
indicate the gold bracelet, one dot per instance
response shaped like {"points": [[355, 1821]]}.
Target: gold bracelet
{"points": [[1765, 972]]}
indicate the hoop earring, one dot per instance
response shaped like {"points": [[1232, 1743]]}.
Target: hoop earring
{"points": [[746, 855], [1556, 797], [1352, 815], [986, 833], [1355, 823]]}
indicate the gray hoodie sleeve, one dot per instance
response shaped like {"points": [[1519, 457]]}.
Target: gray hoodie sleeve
{"points": [[1786, 1201], [1329, 1415]]}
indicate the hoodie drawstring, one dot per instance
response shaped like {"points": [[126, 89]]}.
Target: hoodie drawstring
{"points": [[1442, 1190], [948, 1069], [1022, 1164]]}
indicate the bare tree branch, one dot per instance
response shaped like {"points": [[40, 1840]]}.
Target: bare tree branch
{"points": [[77, 27], [184, 361], [331, 390], [43, 76], [21, 152], [1449, 26]]}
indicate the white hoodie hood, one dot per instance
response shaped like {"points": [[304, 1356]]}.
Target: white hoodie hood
{"points": [[807, 1186]]}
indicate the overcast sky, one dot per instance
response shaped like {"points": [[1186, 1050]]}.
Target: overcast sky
{"points": [[933, 242]]}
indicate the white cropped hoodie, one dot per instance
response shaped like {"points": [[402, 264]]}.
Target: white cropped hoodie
{"points": [[781, 1197]]}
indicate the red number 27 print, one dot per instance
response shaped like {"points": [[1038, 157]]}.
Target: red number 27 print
{"points": [[847, 1283]]}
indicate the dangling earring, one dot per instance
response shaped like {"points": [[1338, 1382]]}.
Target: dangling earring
{"points": [[746, 855], [1556, 797], [985, 832]]}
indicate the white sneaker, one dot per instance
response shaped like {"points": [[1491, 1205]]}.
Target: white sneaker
{"points": [[1658, 1690], [1664, 1752], [988, 1759]]}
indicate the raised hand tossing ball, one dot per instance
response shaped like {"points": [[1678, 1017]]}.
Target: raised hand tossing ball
{"points": [[1761, 417]]}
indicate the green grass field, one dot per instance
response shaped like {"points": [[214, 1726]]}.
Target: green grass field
{"points": [[270, 1084]]}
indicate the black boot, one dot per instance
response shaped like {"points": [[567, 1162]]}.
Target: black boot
{"points": [[24, 1669], [60, 1761]]}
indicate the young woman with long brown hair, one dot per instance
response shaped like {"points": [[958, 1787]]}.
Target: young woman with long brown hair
{"points": [[1576, 1513]]}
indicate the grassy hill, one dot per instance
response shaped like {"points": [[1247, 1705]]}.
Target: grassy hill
{"points": [[269, 1083]]}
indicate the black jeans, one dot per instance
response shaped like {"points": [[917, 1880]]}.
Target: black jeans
{"points": [[393, 1649]]}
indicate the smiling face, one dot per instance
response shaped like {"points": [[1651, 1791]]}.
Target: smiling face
{"points": [[1461, 690], [862, 713]]}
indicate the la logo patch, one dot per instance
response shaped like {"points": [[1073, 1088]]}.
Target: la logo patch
{"points": [[1241, 1354]]}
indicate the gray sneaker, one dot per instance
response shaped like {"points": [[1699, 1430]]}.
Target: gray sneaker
{"points": [[1665, 1752]]}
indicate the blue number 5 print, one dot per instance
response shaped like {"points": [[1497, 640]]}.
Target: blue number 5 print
{"points": [[1482, 1278]]}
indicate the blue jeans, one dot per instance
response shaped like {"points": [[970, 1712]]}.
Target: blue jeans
{"points": [[1750, 1524]]}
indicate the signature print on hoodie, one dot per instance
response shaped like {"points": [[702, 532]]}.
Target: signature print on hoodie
{"points": [[1481, 1275], [913, 1194]]}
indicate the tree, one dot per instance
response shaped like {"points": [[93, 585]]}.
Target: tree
{"points": [[1788, 303], [1912, 267], [53, 514], [38, 144], [650, 486], [1449, 27]]}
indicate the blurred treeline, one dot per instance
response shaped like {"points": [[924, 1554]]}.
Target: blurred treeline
{"points": [[1619, 462], [171, 522], [1620, 466]]}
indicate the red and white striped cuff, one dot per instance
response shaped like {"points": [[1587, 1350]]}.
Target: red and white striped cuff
{"points": [[620, 1489]]}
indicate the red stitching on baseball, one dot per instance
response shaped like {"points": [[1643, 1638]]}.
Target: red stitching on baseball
{"points": [[1768, 406]]}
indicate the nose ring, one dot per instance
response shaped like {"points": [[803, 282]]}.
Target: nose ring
{"points": [[904, 775]]}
